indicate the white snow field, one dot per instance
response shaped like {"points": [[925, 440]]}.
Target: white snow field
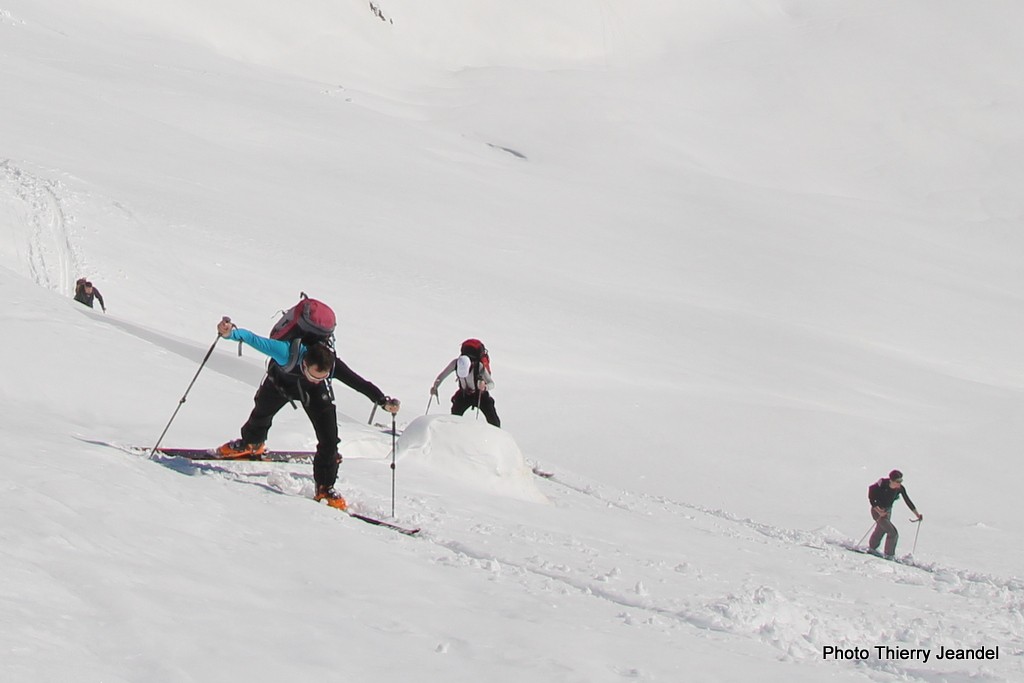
{"points": [[734, 261]]}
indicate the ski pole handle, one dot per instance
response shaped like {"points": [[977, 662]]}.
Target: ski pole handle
{"points": [[227, 320], [222, 325]]}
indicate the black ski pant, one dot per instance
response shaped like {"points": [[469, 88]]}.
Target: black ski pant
{"points": [[883, 527], [464, 400], [317, 401]]}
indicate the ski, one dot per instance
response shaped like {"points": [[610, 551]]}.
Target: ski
{"points": [[206, 453], [380, 522], [203, 454], [906, 560], [211, 454]]}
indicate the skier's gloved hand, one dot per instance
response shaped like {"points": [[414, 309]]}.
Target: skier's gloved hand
{"points": [[481, 385], [225, 326], [919, 515], [433, 389], [390, 404]]}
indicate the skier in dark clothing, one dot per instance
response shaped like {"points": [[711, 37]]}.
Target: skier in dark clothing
{"points": [[85, 293], [308, 382], [882, 494]]}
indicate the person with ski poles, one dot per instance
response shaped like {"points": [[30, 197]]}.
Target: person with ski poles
{"points": [[306, 379], [472, 369], [882, 494]]}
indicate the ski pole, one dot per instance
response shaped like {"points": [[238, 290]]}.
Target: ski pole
{"points": [[185, 395], [372, 413], [393, 449], [429, 401], [479, 395], [861, 541], [916, 534]]}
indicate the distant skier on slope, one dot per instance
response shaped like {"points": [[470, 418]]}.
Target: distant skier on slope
{"points": [[85, 293], [882, 494], [473, 370], [300, 372]]}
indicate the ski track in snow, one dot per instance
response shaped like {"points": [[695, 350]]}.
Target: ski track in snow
{"points": [[51, 258], [651, 591], [8, 18]]}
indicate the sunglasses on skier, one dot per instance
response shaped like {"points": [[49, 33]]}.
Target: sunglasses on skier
{"points": [[315, 379]]}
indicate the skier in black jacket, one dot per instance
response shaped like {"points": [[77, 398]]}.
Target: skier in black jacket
{"points": [[85, 293], [882, 494], [308, 382]]}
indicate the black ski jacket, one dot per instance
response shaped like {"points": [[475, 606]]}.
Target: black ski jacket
{"points": [[348, 377], [341, 372], [83, 297], [883, 497]]}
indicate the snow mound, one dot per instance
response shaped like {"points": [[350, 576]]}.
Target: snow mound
{"points": [[470, 451]]}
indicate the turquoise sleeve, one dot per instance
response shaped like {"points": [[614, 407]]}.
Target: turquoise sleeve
{"points": [[276, 349]]}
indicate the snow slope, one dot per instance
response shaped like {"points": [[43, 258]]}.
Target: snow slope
{"points": [[734, 261]]}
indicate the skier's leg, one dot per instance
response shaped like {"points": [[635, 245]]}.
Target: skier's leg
{"points": [[269, 400], [461, 402], [323, 415], [892, 535], [883, 527], [487, 408], [879, 531]]}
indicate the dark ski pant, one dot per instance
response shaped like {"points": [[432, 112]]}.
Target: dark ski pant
{"points": [[883, 527], [317, 401], [463, 401]]}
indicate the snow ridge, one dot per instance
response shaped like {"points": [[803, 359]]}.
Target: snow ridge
{"points": [[38, 222]]}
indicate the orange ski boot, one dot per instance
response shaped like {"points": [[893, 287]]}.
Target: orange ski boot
{"points": [[333, 498], [238, 450]]}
